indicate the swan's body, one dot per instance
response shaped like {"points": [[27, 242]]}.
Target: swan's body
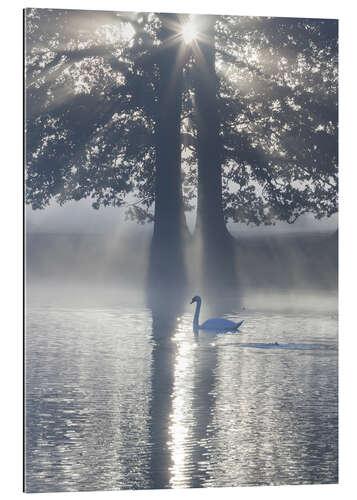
{"points": [[219, 325]]}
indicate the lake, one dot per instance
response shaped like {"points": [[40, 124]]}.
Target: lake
{"points": [[119, 398]]}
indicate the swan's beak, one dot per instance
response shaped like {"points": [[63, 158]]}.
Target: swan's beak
{"points": [[192, 301]]}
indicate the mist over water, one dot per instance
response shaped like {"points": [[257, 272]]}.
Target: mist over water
{"points": [[115, 266], [123, 396]]}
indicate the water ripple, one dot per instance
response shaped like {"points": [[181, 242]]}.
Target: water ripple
{"points": [[109, 406]]}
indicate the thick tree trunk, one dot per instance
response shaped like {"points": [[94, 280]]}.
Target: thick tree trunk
{"points": [[211, 234], [167, 272]]}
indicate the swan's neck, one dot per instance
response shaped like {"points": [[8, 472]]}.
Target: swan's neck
{"points": [[197, 315]]}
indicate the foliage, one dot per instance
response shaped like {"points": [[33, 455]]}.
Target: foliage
{"points": [[283, 102], [91, 108]]}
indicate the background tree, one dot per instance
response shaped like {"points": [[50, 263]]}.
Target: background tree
{"points": [[215, 242], [265, 126], [167, 249], [103, 108]]}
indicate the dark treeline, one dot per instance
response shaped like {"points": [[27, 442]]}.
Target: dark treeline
{"points": [[121, 109]]}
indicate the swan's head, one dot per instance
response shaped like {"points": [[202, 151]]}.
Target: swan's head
{"points": [[196, 298]]}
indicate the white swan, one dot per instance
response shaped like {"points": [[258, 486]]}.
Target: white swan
{"points": [[220, 325]]}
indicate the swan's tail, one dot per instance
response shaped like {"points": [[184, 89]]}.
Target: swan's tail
{"points": [[239, 324]]}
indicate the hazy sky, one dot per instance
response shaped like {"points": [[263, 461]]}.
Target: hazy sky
{"points": [[82, 218]]}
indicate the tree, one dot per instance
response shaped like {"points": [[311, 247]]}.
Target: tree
{"points": [[103, 108], [217, 249], [167, 251], [266, 125]]}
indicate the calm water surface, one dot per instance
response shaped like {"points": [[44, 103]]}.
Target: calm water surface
{"points": [[117, 399]]}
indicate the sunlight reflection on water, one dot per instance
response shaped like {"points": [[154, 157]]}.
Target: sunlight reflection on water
{"points": [[107, 407]]}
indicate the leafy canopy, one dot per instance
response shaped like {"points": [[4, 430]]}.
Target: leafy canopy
{"points": [[92, 95]]}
